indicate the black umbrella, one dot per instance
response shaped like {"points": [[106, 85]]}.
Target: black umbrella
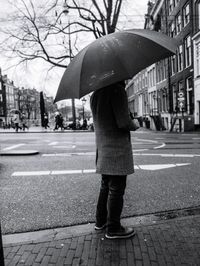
{"points": [[112, 58]]}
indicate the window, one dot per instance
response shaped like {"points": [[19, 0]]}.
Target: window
{"points": [[174, 97], [173, 64], [197, 51], [172, 30], [186, 15], [176, 2], [188, 54], [198, 14], [178, 23], [1, 98], [170, 6], [180, 86], [190, 96], [180, 58]]}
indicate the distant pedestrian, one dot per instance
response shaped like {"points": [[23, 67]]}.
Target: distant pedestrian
{"points": [[46, 121], [58, 121], [24, 122], [114, 159], [16, 120], [84, 125]]}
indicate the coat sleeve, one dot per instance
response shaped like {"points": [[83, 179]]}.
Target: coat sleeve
{"points": [[121, 112]]}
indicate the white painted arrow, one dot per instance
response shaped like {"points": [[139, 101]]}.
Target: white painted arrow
{"points": [[154, 167]]}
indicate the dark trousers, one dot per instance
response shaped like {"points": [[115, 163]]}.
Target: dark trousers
{"points": [[110, 201]]}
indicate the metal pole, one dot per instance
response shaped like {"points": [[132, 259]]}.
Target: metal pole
{"points": [[1, 249], [70, 56]]}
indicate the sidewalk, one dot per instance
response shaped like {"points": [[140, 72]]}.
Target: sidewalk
{"points": [[171, 242], [39, 129]]}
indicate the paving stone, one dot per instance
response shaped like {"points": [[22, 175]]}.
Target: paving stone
{"points": [[45, 261], [64, 250], [41, 254], [69, 257], [30, 259], [55, 256], [14, 260], [174, 242]]}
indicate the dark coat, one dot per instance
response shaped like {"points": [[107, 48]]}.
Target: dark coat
{"points": [[112, 124]]}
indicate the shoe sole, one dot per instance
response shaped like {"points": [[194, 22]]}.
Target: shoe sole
{"points": [[120, 237], [100, 228]]}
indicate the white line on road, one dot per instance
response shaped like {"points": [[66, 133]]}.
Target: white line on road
{"points": [[159, 147], [151, 167], [31, 173], [68, 154], [134, 153], [167, 155], [53, 143], [13, 147]]}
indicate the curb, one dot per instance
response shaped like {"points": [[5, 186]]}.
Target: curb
{"points": [[78, 230]]}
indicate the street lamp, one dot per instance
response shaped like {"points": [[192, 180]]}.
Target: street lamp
{"points": [[83, 103]]}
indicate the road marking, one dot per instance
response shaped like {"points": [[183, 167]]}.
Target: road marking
{"points": [[154, 167], [167, 155], [159, 147], [147, 140], [134, 153], [62, 172], [68, 154], [53, 143], [151, 167], [13, 147], [31, 173]]}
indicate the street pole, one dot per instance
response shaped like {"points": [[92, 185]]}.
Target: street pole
{"points": [[83, 113], [83, 103], [66, 12], [1, 249]]}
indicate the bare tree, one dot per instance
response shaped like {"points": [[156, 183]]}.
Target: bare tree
{"points": [[42, 31]]}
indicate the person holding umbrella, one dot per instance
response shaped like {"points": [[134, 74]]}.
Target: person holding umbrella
{"points": [[98, 67], [114, 159]]}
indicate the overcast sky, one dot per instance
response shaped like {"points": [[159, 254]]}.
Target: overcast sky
{"points": [[35, 75]]}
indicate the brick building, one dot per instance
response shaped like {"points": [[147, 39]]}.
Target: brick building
{"points": [[171, 99]]}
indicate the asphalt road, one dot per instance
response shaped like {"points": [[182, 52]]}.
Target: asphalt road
{"points": [[59, 187]]}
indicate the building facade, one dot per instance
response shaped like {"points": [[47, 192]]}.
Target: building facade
{"points": [[26, 100], [171, 100], [196, 54]]}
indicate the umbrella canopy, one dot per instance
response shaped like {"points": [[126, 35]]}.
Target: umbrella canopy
{"points": [[112, 58]]}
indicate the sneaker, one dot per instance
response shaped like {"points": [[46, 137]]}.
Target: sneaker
{"points": [[99, 227], [123, 232]]}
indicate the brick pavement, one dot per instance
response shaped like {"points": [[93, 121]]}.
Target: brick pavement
{"points": [[172, 242]]}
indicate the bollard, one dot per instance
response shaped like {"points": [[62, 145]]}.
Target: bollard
{"points": [[1, 249]]}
